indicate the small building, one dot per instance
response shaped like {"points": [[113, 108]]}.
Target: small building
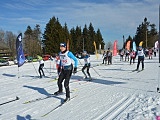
{"points": [[4, 50]]}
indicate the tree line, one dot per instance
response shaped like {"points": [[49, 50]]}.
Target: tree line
{"points": [[79, 38], [145, 32]]}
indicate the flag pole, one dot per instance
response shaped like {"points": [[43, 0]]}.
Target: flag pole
{"points": [[18, 73], [158, 90], [19, 51]]}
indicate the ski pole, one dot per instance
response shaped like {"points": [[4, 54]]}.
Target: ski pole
{"points": [[47, 71], [96, 71], [35, 69], [158, 90], [79, 61]]}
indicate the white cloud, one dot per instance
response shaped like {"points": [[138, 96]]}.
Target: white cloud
{"points": [[115, 18]]}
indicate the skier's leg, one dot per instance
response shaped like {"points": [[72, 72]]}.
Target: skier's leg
{"points": [[39, 70], [130, 60], [142, 64], [84, 67], [103, 61], [88, 67], [108, 60], [42, 65], [138, 63], [68, 74], [60, 80]]}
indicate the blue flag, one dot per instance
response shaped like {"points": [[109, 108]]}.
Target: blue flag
{"points": [[134, 46], [19, 49]]}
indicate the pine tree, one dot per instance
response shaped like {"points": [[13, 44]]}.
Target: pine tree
{"points": [[53, 36], [147, 33]]}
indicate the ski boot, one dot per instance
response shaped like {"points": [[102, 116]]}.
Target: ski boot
{"points": [[85, 77], [90, 78], [58, 93], [67, 99]]}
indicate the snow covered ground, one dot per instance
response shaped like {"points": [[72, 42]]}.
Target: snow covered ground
{"points": [[115, 92]]}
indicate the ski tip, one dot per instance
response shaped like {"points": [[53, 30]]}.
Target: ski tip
{"points": [[25, 102], [17, 98], [158, 90]]}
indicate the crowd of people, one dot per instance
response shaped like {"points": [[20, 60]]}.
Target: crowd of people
{"points": [[142, 53]]}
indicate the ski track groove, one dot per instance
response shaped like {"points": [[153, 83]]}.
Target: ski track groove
{"points": [[48, 87], [117, 109], [29, 107]]}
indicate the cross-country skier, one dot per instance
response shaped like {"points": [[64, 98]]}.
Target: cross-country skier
{"points": [[109, 56], [150, 52], [132, 56], [104, 56], [87, 65], [121, 55], [66, 70], [58, 67], [141, 55], [41, 65]]}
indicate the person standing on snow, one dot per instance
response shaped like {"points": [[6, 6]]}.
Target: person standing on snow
{"points": [[66, 70], [41, 65], [141, 55], [155, 51], [121, 55], [132, 56], [150, 52], [87, 65], [104, 56], [109, 56], [58, 67]]}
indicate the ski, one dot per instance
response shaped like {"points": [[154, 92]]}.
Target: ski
{"points": [[134, 70], [40, 98], [55, 79], [58, 106], [17, 98], [139, 71], [46, 97]]}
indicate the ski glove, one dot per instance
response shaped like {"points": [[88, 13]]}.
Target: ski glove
{"points": [[75, 70]]}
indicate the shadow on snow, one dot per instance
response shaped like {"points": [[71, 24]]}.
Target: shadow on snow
{"points": [[42, 91], [8, 75]]}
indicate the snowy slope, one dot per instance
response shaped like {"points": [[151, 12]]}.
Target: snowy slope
{"points": [[115, 92]]}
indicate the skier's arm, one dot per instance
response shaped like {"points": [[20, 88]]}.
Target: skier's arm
{"points": [[70, 54]]}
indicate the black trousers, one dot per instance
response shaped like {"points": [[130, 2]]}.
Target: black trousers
{"points": [[109, 60], [41, 69], [132, 58], [84, 67], [65, 75], [140, 59], [104, 60]]}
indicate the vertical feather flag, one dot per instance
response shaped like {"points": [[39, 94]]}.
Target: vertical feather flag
{"points": [[128, 45], [141, 43], [115, 48], [134, 46], [95, 49], [68, 44], [156, 44], [19, 50]]}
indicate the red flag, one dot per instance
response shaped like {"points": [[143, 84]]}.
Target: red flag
{"points": [[115, 48]]}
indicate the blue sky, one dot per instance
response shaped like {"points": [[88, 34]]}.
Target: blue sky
{"points": [[114, 18]]}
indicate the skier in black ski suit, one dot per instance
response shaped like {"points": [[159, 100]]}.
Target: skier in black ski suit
{"points": [[66, 70], [87, 65], [41, 65], [141, 55]]}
